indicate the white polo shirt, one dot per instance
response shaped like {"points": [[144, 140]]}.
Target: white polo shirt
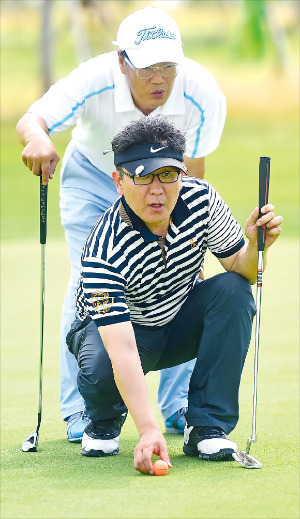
{"points": [[96, 98]]}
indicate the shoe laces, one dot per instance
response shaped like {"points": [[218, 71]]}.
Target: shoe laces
{"points": [[84, 416], [73, 417], [105, 426], [179, 414], [209, 432]]}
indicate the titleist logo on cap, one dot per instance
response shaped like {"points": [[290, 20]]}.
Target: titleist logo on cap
{"points": [[151, 34]]}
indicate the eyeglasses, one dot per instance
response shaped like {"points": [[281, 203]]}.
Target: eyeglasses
{"points": [[165, 177], [169, 70]]}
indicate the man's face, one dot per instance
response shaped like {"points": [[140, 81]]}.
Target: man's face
{"points": [[154, 202], [147, 94]]}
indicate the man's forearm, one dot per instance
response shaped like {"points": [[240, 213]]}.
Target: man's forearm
{"points": [[119, 341], [195, 167], [30, 125], [246, 262]]}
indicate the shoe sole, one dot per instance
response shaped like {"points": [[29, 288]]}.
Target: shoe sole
{"points": [[98, 454], [172, 430], [222, 455], [75, 440]]}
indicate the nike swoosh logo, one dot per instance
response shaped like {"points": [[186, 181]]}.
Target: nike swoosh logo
{"points": [[157, 149]]}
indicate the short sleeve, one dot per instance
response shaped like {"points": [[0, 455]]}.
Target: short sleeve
{"points": [[225, 236], [205, 111], [101, 293]]}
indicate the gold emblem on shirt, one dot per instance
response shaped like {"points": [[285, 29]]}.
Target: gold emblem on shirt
{"points": [[102, 302], [193, 244]]}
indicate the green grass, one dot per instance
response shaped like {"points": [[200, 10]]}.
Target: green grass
{"points": [[263, 106], [57, 482], [232, 169], [20, 190]]}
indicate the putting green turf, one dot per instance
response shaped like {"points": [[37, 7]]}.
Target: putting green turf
{"points": [[57, 482]]}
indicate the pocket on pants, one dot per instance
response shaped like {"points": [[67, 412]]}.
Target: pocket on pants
{"points": [[75, 335]]}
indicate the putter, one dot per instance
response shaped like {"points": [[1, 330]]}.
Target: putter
{"points": [[244, 457], [31, 443]]}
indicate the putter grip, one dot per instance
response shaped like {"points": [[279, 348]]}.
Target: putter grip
{"points": [[43, 212], [264, 179]]}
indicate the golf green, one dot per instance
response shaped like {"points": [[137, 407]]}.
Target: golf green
{"points": [[57, 482], [262, 119]]}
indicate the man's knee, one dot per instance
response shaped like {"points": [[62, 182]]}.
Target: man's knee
{"points": [[85, 343], [237, 292], [75, 334], [95, 369]]}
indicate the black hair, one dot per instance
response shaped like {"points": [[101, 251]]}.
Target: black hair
{"points": [[147, 129]]}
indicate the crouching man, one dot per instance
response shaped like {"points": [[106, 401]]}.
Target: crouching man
{"points": [[142, 307]]}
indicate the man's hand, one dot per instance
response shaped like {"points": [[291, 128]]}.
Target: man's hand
{"points": [[244, 261], [269, 219], [151, 442], [39, 154]]}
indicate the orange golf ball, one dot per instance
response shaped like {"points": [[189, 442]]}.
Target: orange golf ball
{"points": [[160, 468]]}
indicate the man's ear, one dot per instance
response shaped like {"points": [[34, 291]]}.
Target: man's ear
{"points": [[118, 181], [121, 62], [180, 181]]}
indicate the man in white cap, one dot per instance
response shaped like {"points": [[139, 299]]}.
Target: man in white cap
{"points": [[148, 75]]}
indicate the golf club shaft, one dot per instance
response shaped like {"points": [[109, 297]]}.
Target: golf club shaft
{"points": [[256, 349], [43, 235], [264, 178], [42, 305]]}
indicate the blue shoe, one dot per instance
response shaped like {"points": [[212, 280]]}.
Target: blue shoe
{"points": [[75, 427], [176, 423]]}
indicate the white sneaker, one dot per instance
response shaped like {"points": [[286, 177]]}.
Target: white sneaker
{"points": [[208, 443], [101, 438]]}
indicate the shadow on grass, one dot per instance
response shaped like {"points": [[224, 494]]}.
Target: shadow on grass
{"points": [[58, 459], [190, 465], [60, 456]]}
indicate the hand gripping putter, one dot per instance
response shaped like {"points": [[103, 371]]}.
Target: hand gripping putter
{"points": [[30, 444], [242, 457]]}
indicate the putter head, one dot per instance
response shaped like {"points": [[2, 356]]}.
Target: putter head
{"points": [[247, 461], [30, 444]]}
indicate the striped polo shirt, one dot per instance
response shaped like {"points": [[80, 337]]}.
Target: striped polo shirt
{"points": [[129, 273]]}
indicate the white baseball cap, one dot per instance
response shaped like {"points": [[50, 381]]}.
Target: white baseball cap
{"points": [[150, 36]]}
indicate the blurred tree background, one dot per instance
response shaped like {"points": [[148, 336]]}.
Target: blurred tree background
{"points": [[251, 47]]}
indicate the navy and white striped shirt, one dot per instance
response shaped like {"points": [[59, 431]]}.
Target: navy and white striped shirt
{"points": [[129, 273]]}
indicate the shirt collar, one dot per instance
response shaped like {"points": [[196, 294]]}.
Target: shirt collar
{"points": [[138, 224], [123, 99], [179, 215], [180, 212]]}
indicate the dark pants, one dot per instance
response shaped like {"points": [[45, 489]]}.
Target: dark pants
{"points": [[214, 325]]}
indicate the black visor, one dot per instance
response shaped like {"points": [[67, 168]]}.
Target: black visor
{"points": [[142, 159]]}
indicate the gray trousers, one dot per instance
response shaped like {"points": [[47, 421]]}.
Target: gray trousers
{"points": [[213, 326]]}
